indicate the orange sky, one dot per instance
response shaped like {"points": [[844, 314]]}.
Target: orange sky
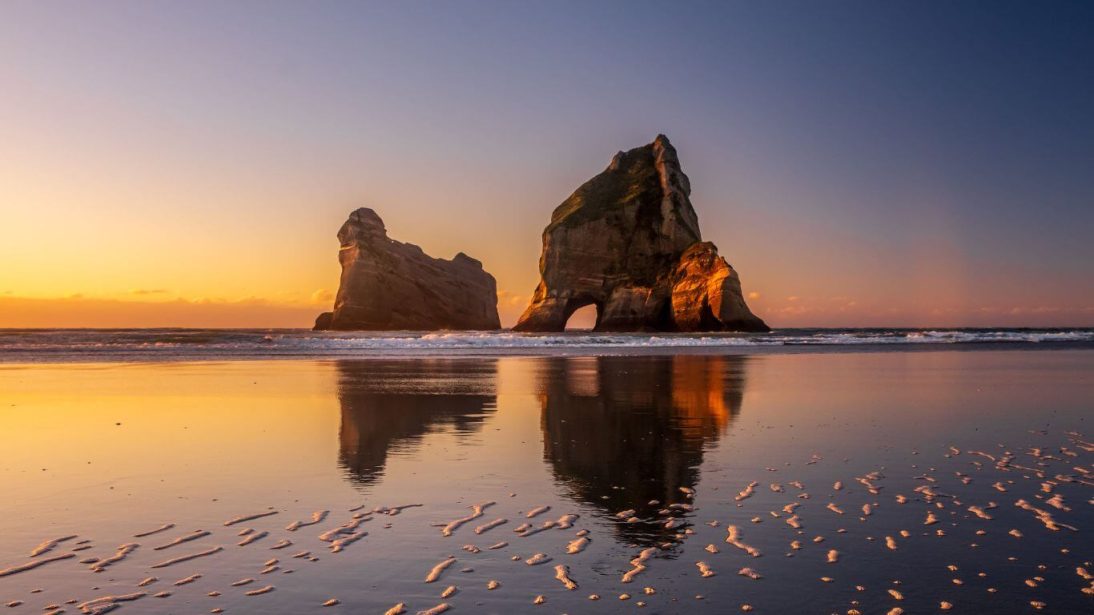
{"points": [[167, 165]]}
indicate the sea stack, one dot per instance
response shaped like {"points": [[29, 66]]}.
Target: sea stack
{"points": [[389, 285], [628, 242]]}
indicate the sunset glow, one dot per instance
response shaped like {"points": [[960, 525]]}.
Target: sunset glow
{"points": [[156, 171]]}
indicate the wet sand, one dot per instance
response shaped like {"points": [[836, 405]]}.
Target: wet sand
{"points": [[834, 483]]}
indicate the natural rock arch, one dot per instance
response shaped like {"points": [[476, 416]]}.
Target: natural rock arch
{"points": [[628, 241]]}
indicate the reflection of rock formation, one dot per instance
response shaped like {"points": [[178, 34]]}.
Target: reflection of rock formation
{"points": [[621, 432], [390, 405]]}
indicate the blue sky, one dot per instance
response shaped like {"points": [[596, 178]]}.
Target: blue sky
{"points": [[857, 162]]}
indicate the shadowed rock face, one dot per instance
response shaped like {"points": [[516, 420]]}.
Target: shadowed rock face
{"points": [[389, 285], [628, 242]]}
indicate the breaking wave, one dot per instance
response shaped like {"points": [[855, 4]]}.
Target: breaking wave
{"points": [[54, 345]]}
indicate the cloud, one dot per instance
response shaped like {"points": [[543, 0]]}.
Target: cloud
{"points": [[80, 311], [149, 291], [323, 295], [506, 297]]}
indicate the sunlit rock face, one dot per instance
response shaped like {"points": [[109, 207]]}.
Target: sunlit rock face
{"points": [[389, 285], [628, 242]]}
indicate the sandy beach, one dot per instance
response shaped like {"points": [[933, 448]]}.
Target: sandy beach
{"points": [[856, 481]]}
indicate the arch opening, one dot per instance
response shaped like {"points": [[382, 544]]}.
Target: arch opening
{"points": [[583, 318]]}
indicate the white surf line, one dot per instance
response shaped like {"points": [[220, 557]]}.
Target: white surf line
{"points": [[252, 537], [734, 538], [1044, 517], [566, 521], [183, 539], [162, 528], [336, 546], [535, 530], [537, 559], [437, 610], [186, 558], [249, 518], [34, 564], [281, 544], [539, 510], [398, 609], [147, 582], [394, 510], [316, 517], [122, 552], [1057, 501], [577, 545], [187, 580], [348, 528], [435, 572], [704, 569], [562, 573], [750, 573], [638, 564], [868, 481], [747, 491], [486, 527], [476, 512], [48, 545], [105, 604], [979, 512], [260, 591]]}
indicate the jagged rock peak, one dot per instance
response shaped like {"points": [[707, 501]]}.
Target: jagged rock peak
{"points": [[619, 242], [390, 285]]}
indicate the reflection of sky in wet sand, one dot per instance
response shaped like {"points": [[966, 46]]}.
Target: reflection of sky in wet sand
{"points": [[108, 451]]}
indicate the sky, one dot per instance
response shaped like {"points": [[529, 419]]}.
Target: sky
{"points": [[858, 163]]}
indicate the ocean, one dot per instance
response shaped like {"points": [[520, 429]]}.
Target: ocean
{"points": [[75, 345]]}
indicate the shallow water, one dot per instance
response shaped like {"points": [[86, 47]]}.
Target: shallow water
{"points": [[107, 451]]}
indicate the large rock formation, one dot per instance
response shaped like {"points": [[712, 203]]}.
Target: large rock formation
{"points": [[389, 285], [628, 242]]}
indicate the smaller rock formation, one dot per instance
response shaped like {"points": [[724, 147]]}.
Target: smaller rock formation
{"points": [[628, 242], [389, 285], [706, 294]]}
